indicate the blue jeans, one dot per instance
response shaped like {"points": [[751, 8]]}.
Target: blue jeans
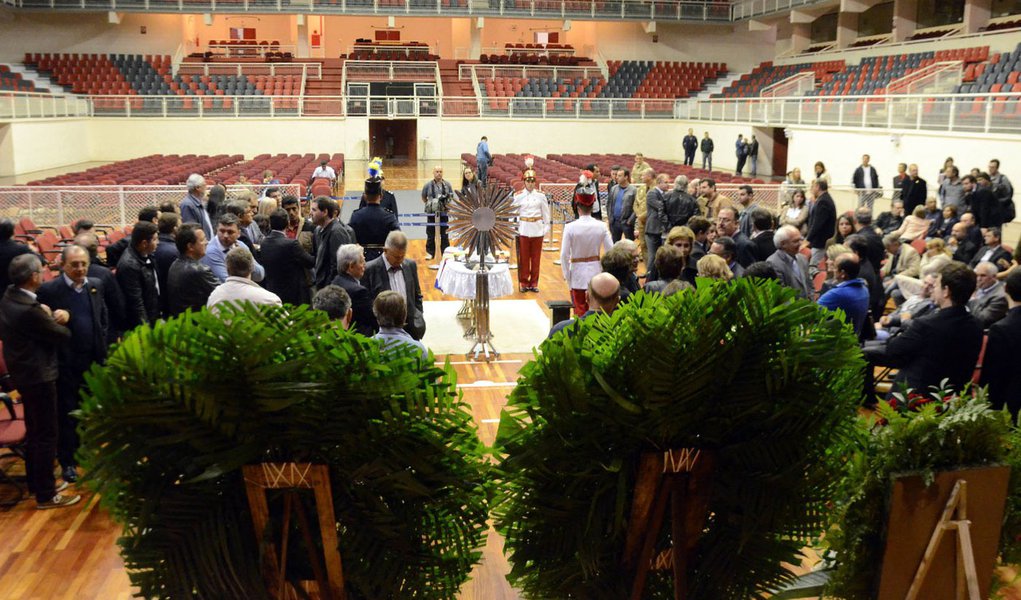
{"points": [[707, 157]]}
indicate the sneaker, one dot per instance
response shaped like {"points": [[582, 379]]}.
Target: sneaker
{"points": [[428, 256], [59, 501], [61, 487]]}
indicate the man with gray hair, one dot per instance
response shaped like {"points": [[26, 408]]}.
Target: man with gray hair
{"points": [[32, 334], [989, 302], [350, 270], [393, 271], [679, 205], [239, 287], [336, 303], [788, 261], [193, 208], [391, 312]]}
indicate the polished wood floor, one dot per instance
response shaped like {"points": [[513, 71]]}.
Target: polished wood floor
{"points": [[71, 554]]}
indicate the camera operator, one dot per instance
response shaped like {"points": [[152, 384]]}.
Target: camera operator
{"points": [[435, 196]]}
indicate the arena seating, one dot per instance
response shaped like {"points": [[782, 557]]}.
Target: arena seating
{"points": [[108, 74], [12, 82], [527, 58], [997, 73], [542, 87], [369, 50], [288, 168], [658, 79], [155, 169], [1013, 23], [605, 161], [766, 74]]}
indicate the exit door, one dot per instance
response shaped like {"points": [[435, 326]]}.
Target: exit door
{"points": [[394, 139]]}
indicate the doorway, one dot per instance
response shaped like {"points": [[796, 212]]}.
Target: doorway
{"points": [[779, 152], [395, 140]]}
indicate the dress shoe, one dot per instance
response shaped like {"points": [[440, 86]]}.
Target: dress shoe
{"points": [[59, 501], [69, 474]]}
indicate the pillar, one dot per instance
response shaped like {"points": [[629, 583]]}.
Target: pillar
{"points": [[977, 14], [905, 15]]}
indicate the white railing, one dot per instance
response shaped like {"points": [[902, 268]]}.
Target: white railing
{"points": [[631, 10], [116, 205], [746, 9], [525, 71], [392, 51], [241, 50], [217, 106], [389, 70], [795, 85], [983, 113], [34, 105], [312, 70], [937, 78]]}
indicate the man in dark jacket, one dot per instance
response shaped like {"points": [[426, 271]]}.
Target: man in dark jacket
{"points": [[762, 234], [82, 297], [31, 335], [1001, 370], [941, 345], [286, 262], [984, 204], [136, 274], [112, 296], [866, 181], [9, 248], [166, 252], [189, 281], [350, 270], [371, 223], [822, 223], [149, 214], [679, 204], [690, 144], [330, 235], [394, 271], [913, 190], [707, 146]]}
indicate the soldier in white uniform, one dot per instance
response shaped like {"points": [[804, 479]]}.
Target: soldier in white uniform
{"points": [[533, 224], [584, 239]]}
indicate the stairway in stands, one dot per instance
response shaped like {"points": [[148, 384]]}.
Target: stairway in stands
{"points": [[330, 85], [453, 87]]}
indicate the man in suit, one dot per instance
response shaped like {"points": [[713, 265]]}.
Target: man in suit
{"points": [[136, 274], [112, 296], [620, 206], [166, 252], [864, 228], [656, 224], [1001, 369], [350, 270], [822, 223], [193, 210], [788, 262], [9, 248], [992, 251], [866, 181], [989, 302], [31, 334], [81, 296], [941, 345], [984, 204], [727, 225], [336, 303], [330, 235], [901, 259], [371, 223], [913, 190], [963, 246], [690, 144], [114, 252], [393, 271], [286, 263], [762, 234], [189, 281]]}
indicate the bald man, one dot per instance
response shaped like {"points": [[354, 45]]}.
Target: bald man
{"points": [[603, 295]]}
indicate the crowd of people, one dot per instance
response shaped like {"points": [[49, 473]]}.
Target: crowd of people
{"points": [[921, 283], [941, 269]]}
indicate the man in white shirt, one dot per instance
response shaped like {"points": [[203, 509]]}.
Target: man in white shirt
{"points": [[533, 224], [325, 171], [239, 286], [580, 250]]}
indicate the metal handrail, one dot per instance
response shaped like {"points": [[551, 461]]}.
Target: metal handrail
{"points": [[308, 69]]}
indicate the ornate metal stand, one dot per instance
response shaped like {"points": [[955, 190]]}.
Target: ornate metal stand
{"points": [[483, 336]]}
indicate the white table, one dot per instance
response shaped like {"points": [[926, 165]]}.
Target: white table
{"points": [[456, 279]]}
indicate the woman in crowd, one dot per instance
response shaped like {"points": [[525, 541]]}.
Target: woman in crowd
{"points": [[832, 252], [797, 212], [949, 162], [670, 263], [469, 183], [683, 238], [714, 267], [845, 228], [935, 257], [1015, 260], [914, 226], [946, 223], [822, 174], [216, 201], [266, 206], [793, 183]]}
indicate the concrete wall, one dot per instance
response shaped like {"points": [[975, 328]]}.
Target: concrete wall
{"points": [[22, 31]]}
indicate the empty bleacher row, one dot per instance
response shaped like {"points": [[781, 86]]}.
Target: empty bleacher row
{"points": [[286, 168], [543, 87], [12, 82], [534, 58], [365, 49], [766, 74], [658, 79], [1000, 73], [155, 169], [120, 74]]}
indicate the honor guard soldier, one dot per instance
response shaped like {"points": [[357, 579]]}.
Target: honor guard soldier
{"points": [[372, 222], [533, 224], [584, 238]]}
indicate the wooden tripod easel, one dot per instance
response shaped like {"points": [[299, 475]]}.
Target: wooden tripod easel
{"points": [[678, 479], [954, 518], [292, 477]]}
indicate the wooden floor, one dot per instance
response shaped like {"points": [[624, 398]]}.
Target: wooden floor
{"points": [[71, 554]]}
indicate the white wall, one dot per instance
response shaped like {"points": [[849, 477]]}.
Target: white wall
{"points": [[37, 145], [24, 31]]}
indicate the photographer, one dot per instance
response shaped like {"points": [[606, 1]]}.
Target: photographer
{"points": [[435, 196]]}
